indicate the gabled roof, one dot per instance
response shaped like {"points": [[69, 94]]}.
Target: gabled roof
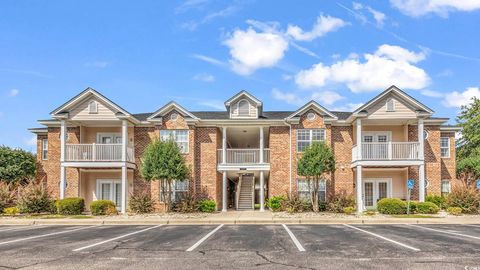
{"points": [[82, 96], [168, 107], [393, 89], [241, 94], [312, 105]]}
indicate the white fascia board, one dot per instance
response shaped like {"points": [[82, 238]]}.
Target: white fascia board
{"points": [[168, 107]]}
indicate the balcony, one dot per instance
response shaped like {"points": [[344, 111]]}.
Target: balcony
{"points": [[97, 153], [243, 156], [387, 151]]}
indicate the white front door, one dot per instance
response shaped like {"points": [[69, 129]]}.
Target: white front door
{"points": [[375, 190], [110, 190], [109, 138]]}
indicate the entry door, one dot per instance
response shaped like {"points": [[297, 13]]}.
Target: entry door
{"points": [[109, 138], [110, 190], [376, 147], [375, 190]]}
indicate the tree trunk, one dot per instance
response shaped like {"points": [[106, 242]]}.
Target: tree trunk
{"points": [[315, 195], [169, 200]]}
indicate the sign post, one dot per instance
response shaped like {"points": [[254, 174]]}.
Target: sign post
{"points": [[410, 185], [478, 184]]}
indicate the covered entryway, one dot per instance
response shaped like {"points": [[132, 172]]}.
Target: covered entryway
{"points": [[375, 190]]}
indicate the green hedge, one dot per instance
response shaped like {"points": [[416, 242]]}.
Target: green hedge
{"points": [[103, 207], [437, 200], [207, 206], [427, 208], [392, 206], [275, 203], [70, 206]]}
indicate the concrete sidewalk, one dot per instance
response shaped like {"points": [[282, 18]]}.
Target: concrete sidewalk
{"points": [[240, 217]]}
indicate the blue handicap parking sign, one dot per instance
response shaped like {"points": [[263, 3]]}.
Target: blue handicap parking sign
{"points": [[410, 183], [478, 184]]}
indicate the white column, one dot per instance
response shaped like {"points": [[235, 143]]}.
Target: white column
{"points": [[359, 187], [124, 140], [261, 145], [224, 192], [359, 139], [224, 146], [124, 189], [63, 173], [262, 191], [421, 168]]}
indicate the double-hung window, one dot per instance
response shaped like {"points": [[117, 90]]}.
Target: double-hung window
{"points": [[179, 190], [44, 149], [178, 136], [305, 137], [446, 187], [304, 188], [445, 147]]}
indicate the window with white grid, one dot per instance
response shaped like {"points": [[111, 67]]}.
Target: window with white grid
{"points": [[305, 137], [445, 147], [178, 136], [304, 188]]}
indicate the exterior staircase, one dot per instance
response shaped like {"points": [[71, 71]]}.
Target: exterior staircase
{"points": [[245, 196]]}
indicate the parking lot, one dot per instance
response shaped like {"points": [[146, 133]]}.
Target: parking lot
{"points": [[241, 246]]}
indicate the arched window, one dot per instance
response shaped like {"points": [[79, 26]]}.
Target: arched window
{"points": [[243, 108], [93, 107]]}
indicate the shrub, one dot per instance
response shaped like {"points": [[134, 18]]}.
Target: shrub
{"points": [[34, 198], [275, 203], [413, 206], [103, 207], [187, 204], [294, 204], [437, 200], [207, 205], [392, 206], [466, 198], [322, 206], [70, 206], [427, 208], [11, 211], [349, 210], [339, 202], [7, 196], [141, 203], [455, 211]]}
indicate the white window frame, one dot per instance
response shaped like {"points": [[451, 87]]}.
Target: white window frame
{"points": [[390, 101], [322, 188], [248, 108], [375, 182], [44, 149], [173, 135], [93, 107], [113, 135], [449, 187], [112, 183], [445, 147], [175, 189], [375, 135], [310, 139]]}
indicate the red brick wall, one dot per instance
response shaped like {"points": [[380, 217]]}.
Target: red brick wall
{"points": [[279, 180], [41, 173], [205, 167], [449, 164], [342, 144]]}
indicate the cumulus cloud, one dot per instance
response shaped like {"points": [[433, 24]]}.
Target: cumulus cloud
{"points": [[204, 77], [327, 97], [457, 99], [13, 92], [416, 8], [386, 66], [349, 107], [289, 98], [431, 93], [322, 26], [251, 50], [294, 98]]}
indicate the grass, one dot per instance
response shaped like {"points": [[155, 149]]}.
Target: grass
{"points": [[414, 216]]}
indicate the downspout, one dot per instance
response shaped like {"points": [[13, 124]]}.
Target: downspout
{"points": [[290, 148]]}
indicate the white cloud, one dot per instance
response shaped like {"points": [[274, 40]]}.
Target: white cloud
{"points": [[349, 107], [445, 73], [323, 97], [458, 99], [287, 77], [97, 64], [190, 4], [13, 92], [204, 77], [388, 65], [215, 104], [431, 93], [31, 142], [327, 97], [208, 59], [416, 8], [378, 16], [251, 50], [289, 98], [322, 26]]}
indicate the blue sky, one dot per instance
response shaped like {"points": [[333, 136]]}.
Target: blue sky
{"points": [[201, 52]]}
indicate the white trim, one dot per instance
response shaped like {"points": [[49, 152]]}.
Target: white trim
{"points": [[392, 105], [447, 147], [44, 149], [260, 167], [310, 141], [312, 105], [112, 135], [96, 164], [386, 163], [174, 135], [376, 181], [375, 135], [93, 107], [167, 108], [112, 182], [243, 93]]}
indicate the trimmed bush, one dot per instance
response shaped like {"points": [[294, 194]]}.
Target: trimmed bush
{"points": [[103, 207], [413, 206], [392, 206], [70, 206], [455, 211], [275, 203], [427, 208], [322, 206], [294, 204], [349, 210], [207, 206], [34, 198], [466, 198], [11, 211], [437, 200], [339, 202], [141, 203]]}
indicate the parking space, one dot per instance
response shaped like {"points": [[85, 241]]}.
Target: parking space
{"points": [[248, 245]]}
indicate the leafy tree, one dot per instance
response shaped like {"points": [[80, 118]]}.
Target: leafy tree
{"points": [[163, 161], [315, 164], [16, 165], [469, 120], [468, 169]]}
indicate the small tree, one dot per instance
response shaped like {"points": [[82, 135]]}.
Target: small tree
{"points": [[468, 170], [469, 120], [163, 161], [315, 164], [16, 165]]}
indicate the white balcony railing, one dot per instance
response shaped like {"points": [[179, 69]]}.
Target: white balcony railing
{"points": [[97, 152], [244, 156], [387, 151]]}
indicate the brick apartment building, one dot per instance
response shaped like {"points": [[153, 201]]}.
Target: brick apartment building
{"points": [[243, 155]]}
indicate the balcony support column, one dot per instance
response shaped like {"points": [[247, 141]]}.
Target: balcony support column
{"points": [[261, 145], [63, 173], [224, 192], [359, 187], [421, 168], [359, 138], [124, 189], [262, 191], [224, 146], [124, 140]]}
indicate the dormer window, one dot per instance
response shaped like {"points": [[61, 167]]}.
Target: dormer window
{"points": [[92, 107], [390, 105], [243, 108]]}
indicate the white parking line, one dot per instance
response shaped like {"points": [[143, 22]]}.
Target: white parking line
{"points": [[204, 238], [15, 228], [447, 232], [384, 238], [294, 238], [115, 238], [471, 225], [45, 235]]}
